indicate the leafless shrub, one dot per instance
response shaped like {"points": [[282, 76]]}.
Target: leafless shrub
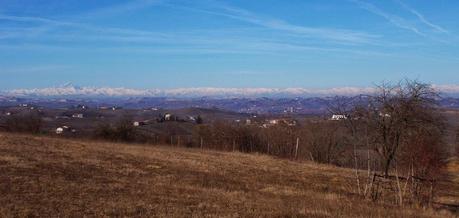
{"points": [[325, 142], [28, 122], [122, 130]]}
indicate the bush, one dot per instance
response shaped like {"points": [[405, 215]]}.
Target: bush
{"points": [[123, 130], [29, 122]]}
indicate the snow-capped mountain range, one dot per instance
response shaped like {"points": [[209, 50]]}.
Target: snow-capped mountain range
{"points": [[70, 90]]}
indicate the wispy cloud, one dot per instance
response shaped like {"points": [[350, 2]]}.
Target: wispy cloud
{"points": [[76, 25], [422, 18], [33, 19], [120, 8], [36, 69], [394, 19], [288, 38], [334, 34], [199, 42], [48, 24]]}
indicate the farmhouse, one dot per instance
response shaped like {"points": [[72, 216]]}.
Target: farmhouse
{"points": [[384, 114], [167, 117], [273, 122], [80, 116], [338, 117], [139, 123], [64, 129]]}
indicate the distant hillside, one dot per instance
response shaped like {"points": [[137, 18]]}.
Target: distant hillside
{"points": [[48, 177], [262, 105]]}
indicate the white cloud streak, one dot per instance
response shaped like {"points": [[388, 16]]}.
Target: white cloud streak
{"points": [[188, 42], [333, 34], [120, 8], [394, 19], [422, 18]]}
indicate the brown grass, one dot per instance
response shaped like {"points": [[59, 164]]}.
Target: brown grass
{"points": [[48, 177]]}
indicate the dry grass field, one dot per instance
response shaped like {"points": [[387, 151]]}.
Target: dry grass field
{"points": [[50, 177]]}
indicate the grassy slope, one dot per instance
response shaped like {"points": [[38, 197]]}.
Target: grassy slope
{"points": [[45, 176]]}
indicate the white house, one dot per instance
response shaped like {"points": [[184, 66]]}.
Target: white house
{"points": [[63, 129], [167, 116], [273, 122], [78, 116], [384, 114], [139, 123], [59, 130], [338, 117]]}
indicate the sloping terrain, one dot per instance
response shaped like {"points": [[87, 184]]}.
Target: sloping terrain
{"points": [[46, 177]]}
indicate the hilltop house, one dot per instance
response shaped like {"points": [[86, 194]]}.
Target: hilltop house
{"points": [[167, 117], [338, 117], [80, 116], [273, 122], [139, 123], [64, 129]]}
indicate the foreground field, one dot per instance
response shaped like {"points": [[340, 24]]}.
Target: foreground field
{"points": [[53, 177]]}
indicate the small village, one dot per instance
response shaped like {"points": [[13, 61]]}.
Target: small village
{"points": [[82, 119]]}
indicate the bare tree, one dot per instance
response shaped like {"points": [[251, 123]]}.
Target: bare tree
{"points": [[396, 113], [351, 108]]}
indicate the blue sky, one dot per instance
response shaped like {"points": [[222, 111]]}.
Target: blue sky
{"points": [[217, 43]]}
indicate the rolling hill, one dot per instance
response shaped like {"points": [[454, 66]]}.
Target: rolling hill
{"points": [[45, 177]]}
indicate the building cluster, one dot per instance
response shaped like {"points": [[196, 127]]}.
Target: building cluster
{"points": [[266, 123]]}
